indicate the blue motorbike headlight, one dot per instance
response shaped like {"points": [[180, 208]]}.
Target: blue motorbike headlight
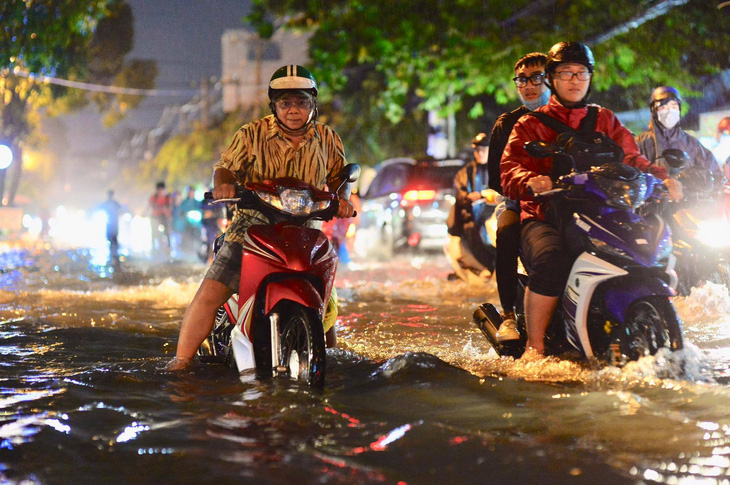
{"points": [[603, 246], [623, 194]]}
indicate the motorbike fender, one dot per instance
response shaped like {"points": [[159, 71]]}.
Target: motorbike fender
{"points": [[242, 350], [627, 290], [296, 290], [240, 335], [587, 273]]}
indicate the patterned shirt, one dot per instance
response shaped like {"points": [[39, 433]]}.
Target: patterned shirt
{"points": [[260, 152]]}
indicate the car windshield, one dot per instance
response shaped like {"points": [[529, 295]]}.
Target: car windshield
{"points": [[433, 177]]}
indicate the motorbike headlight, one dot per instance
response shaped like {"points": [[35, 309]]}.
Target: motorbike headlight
{"points": [[603, 246], [297, 202], [269, 198], [623, 194], [714, 233]]}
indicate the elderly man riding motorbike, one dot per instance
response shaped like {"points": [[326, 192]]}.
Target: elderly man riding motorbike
{"points": [[287, 143]]}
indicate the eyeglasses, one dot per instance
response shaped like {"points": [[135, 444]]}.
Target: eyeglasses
{"points": [[536, 79], [569, 75], [285, 104]]}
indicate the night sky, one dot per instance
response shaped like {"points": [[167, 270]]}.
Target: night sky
{"points": [[184, 37]]}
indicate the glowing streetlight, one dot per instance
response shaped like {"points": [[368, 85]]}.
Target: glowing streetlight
{"points": [[6, 157]]}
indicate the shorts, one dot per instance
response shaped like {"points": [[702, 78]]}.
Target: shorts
{"points": [[226, 265], [546, 258]]}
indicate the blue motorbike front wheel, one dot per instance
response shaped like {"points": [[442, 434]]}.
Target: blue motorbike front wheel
{"points": [[651, 323]]}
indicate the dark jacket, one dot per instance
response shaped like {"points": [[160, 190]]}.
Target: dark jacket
{"points": [[656, 139], [465, 183], [498, 140]]}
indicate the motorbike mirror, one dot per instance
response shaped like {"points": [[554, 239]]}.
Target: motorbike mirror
{"points": [[675, 158], [350, 172], [542, 149]]}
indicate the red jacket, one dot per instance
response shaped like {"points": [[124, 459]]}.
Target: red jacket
{"points": [[518, 167]]}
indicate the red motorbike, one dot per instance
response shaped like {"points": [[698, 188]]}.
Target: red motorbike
{"points": [[274, 324]]}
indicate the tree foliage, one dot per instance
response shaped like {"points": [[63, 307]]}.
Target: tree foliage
{"points": [[81, 40], [188, 159], [451, 55]]}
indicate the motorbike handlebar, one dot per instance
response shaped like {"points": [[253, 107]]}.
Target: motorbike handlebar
{"points": [[242, 194]]}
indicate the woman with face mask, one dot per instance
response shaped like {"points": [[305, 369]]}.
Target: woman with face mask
{"points": [[664, 132]]}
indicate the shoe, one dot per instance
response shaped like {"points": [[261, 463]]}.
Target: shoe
{"points": [[485, 274], [508, 330]]}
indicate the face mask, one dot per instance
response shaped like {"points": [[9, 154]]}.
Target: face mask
{"points": [[668, 118], [541, 101]]}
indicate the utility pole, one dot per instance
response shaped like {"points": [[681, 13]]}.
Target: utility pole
{"points": [[205, 102]]}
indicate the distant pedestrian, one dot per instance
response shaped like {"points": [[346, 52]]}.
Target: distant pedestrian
{"points": [[160, 206], [113, 210]]}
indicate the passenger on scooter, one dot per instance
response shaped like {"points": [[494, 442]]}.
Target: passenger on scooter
{"points": [[470, 183], [287, 143], [530, 84], [664, 132], [569, 70]]}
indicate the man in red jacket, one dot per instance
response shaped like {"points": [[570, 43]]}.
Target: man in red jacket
{"points": [[569, 70]]}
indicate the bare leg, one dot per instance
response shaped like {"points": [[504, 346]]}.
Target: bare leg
{"points": [[198, 320], [330, 338], [538, 313]]}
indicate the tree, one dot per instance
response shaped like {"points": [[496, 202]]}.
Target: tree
{"points": [[421, 55], [188, 159], [83, 40]]}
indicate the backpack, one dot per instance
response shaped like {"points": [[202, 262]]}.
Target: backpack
{"points": [[586, 147]]}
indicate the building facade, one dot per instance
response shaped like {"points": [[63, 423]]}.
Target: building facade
{"points": [[249, 62]]}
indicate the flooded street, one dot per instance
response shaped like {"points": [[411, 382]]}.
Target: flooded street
{"points": [[413, 395]]}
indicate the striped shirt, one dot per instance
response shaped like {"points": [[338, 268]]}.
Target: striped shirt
{"points": [[260, 152]]}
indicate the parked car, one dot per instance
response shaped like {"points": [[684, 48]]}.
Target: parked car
{"points": [[406, 205]]}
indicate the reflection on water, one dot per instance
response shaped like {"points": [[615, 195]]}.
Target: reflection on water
{"points": [[414, 395]]}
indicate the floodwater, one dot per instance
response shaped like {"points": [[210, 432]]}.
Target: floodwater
{"points": [[413, 395]]}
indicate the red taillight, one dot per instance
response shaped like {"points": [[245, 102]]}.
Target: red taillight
{"points": [[419, 195], [414, 239]]}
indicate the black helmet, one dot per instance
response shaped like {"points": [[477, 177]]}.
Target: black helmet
{"points": [[480, 140], [663, 95], [569, 53], [291, 78]]}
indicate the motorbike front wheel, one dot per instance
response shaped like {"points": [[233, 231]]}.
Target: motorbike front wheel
{"points": [[302, 354], [650, 324]]}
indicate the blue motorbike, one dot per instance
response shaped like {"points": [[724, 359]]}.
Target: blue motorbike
{"points": [[616, 306]]}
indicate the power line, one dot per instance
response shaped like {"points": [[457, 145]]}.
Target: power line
{"points": [[99, 88]]}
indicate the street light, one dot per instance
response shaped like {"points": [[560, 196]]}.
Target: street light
{"points": [[6, 158]]}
